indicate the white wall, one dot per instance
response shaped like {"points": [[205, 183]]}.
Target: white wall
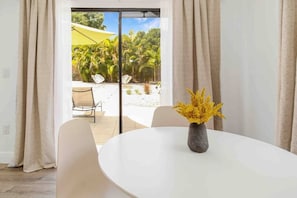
{"points": [[249, 59], [9, 20], [166, 52]]}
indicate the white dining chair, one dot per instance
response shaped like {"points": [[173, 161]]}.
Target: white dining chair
{"points": [[167, 116], [78, 171]]}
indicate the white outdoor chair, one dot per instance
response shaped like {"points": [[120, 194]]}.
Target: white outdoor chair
{"points": [[126, 79], [97, 78], [78, 171], [167, 116]]}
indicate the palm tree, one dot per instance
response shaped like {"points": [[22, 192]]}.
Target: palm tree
{"points": [[154, 62]]}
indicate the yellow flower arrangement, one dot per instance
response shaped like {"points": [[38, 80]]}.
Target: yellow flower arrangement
{"points": [[201, 109]]}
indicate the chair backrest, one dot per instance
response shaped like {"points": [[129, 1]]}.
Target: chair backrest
{"points": [[97, 78], [126, 79], [83, 96], [78, 171], [167, 116]]}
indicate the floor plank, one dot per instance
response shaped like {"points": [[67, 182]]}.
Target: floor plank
{"points": [[18, 184]]}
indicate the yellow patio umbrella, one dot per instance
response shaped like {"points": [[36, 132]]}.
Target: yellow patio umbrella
{"points": [[84, 35]]}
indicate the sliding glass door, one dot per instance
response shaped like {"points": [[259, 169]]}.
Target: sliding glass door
{"points": [[123, 67]]}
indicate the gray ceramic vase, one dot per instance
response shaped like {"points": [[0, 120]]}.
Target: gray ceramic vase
{"points": [[197, 138]]}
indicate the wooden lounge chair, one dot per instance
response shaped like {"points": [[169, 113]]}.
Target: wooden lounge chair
{"points": [[83, 100]]}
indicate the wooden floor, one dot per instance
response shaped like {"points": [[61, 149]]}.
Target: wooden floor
{"points": [[14, 183]]}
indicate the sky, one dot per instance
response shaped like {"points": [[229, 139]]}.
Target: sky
{"points": [[135, 24]]}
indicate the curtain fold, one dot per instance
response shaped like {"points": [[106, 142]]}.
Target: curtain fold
{"points": [[35, 140], [196, 50], [287, 92]]}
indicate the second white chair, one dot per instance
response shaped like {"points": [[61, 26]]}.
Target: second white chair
{"points": [[167, 116]]}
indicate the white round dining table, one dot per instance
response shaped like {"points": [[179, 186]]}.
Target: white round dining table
{"points": [[157, 163]]}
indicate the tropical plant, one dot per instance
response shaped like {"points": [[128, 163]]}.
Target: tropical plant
{"points": [[140, 54], [91, 19]]}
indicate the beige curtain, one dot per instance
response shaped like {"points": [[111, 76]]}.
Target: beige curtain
{"points": [[196, 50], [287, 99], [35, 143]]}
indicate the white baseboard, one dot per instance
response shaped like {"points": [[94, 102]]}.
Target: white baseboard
{"points": [[6, 157]]}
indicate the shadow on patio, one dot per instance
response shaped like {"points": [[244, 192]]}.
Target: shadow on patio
{"points": [[107, 127]]}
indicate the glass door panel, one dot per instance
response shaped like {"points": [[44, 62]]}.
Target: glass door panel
{"points": [[140, 67]]}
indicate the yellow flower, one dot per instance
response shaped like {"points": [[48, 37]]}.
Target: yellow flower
{"points": [[201, 109]]}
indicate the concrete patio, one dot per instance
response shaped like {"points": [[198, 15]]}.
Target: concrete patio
{"points": [[138, 108]]}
